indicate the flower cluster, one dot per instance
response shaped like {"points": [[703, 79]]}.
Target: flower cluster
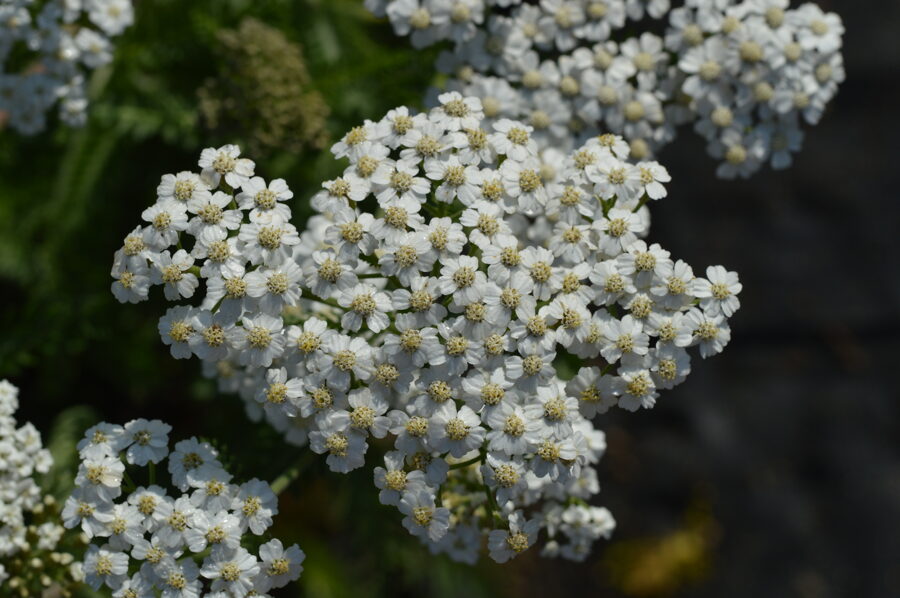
{"points": [[444, 296], [744, 74], [46, 49], [34, 556], [182, 538]]}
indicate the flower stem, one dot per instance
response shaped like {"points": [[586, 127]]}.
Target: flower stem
{"points": [[471, 461], [291, 474]]}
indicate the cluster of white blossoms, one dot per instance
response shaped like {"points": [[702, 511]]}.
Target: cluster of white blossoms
{"points": [[179, 540], [46, 51], [443, 297], [31, 556], [744, 74]]}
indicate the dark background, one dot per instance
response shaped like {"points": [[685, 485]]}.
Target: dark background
{"points": [[773, 471]]}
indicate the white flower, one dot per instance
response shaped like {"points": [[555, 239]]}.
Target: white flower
{"points": [[205, 530], [268, 241], [275, 287], [102, 475], [105, 567], [173, 272], [230, 569], [521, 535], [635, 386], [183, 188], [346, 451], [422, 301], [408, 258], [178, 579], [147, 441], [212, 220], [366, 305], [106, 437], [166, 219], [711, 333], [671, 365], [718, 291], [456, 431], [279, 566], [423, 518], [350, 232], [260, 339], [132, 280], [623, 336], [213, 334], [393, 481], [85, 509], [256, 504], [226, 163], [265, 202], [513, 431]]}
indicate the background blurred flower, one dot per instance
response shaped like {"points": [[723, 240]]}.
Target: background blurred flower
{"points": [[263, 91]]}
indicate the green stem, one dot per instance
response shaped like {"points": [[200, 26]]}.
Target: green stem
{"points": [[471, 461], [492, 506], [640, 203], [130, 486], [291, 474]]}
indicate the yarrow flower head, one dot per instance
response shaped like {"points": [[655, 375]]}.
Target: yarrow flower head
{"points": [[35, 554], [743, 73], [184, 536], [47, 50], [450, 292]]}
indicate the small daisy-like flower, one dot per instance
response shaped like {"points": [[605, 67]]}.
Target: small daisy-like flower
{"points": [[231, 570], [226, 163], [278, 565], [423, 518], [393, 480], [268, 241], [365, 305], [513, 140], [280, 393], [146, 441], [265, 202], [505, 544], [131, 280], [718, 291], [345, 450], [456, 431], [276, 287], [105, 567], [173, 271], [212, 220], [622, 337], [593, 390], [260, 339], [635, 387]]}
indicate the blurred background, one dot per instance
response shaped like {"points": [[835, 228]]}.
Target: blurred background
{"points": [[774, 470]]}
